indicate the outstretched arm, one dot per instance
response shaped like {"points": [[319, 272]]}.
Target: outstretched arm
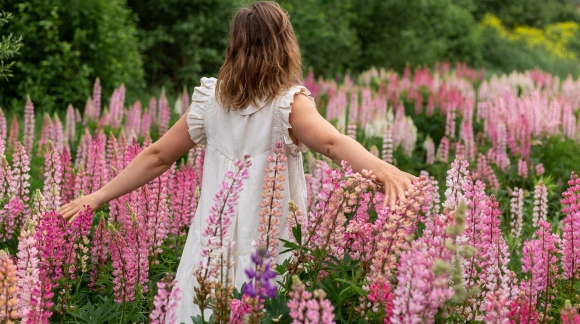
{"points": [[309, 127], [147, 165]]}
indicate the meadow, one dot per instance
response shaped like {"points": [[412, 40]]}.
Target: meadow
{"points": [[490, 233]]}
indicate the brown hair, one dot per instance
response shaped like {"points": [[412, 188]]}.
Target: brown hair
{"points": [[262, 58]]}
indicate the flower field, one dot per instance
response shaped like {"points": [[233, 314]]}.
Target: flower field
{"points": [[490, 233]]}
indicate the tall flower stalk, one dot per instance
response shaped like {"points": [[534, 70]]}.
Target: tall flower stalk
{"points": [[271, 205], [212, 272]]}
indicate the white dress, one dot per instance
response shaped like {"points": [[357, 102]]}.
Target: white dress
{"points": [[229, 136]]}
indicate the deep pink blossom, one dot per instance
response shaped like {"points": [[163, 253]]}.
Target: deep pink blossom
{"points": [[569, 314]]}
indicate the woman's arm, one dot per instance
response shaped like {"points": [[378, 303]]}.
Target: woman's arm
{"points": [[147, 165], [318, 134]]}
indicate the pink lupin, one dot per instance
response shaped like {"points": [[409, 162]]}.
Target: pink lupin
{"points": [[3, 132], [13, 134], [164, 114], [28, 139]]}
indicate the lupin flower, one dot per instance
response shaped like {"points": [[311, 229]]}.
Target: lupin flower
{"points": [[83, 148], [540, 169], [571, 197], [443, 150], [165, 302], [11, 218], [496, 308], [8, 289], [185, 101], [52, 178], [430, 150], [153, 111], [50, 235], [486, 173], [216, 256], [183, 201], [13, 133], [156, 216], [455, 181], [360, 231], [414, 282], [3, 132], [96, 99], [20, 174], [70, 126], [5, 178], [28, 139], [395, 227], [95, 168], [78, 242], [306, 307], [540, 211], [28, 274], [517, 212], [99, 251], [262, 283], [57, 135], [67, 192], [570, 244], [124, 265], [381, 296], [494, 255], [522, 168], [81, 180], [240, 310], [569, 314], [45, 132], [164, 114], [271, 212], [388, 143]]}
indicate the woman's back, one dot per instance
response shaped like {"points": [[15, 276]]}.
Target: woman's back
{"points": [[230, 135]]}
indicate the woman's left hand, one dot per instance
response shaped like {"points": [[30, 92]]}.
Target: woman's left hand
{"points": [[71, 210]]}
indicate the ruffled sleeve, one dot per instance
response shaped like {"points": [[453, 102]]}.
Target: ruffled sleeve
{"points": [[285, 105], [198, 108]]}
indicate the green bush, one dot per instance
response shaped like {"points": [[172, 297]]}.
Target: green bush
{"points": [[328, 42], [535, 13], [9, 46], [182, 40], [501, 54], [415, 32], [67, 44]]}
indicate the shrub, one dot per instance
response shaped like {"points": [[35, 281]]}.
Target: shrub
{"points": [[67, 44]]}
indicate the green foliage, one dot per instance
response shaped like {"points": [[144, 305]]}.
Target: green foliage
{"points": [[182, 40], [415, 32], [67, 44], [536, 13], [9, 46], [328, 42]]}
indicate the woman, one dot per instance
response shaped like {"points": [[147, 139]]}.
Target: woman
{"points": [[254, 102]]}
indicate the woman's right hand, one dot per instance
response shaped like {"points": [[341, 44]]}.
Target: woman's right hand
{"points": [[396, 183], [71, 210]]}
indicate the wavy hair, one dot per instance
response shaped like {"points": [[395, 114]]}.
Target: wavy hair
{"points": [[262, 57]]}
